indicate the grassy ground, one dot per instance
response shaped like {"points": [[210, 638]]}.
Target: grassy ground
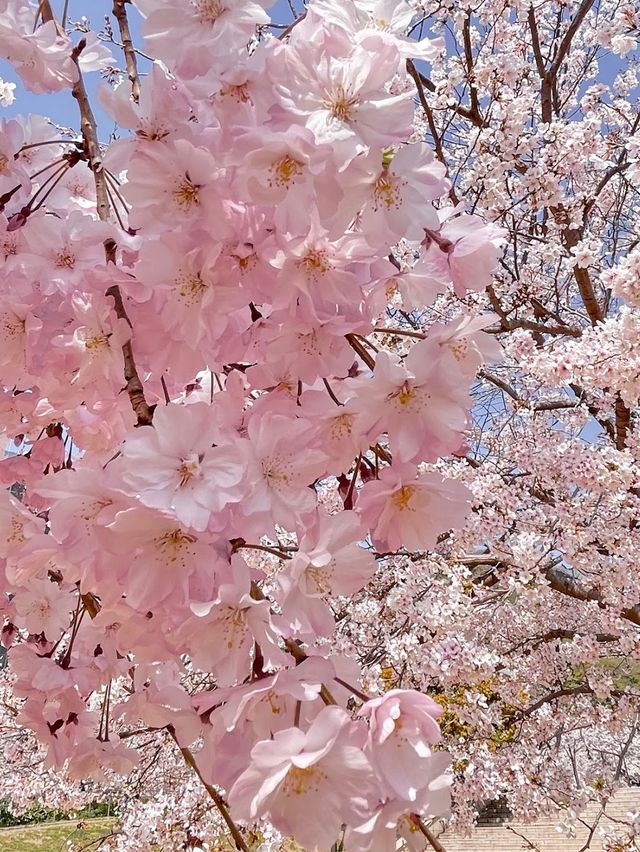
{"points": [[53, 837]]}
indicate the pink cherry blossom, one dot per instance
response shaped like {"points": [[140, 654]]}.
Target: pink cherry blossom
{"points": [[185, 34], [402, 725], [420, 415], [401, 508], [195, 477], [339, 94], [40, 54], [221, 634], [328, 561], [43, 608], [469, 247], [281, 469], [250, 373], [307, 766]]}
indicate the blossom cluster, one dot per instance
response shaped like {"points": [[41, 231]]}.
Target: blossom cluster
{"points": [[193, 377]]}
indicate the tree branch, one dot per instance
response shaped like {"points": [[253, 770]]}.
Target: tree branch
{"points": [[89, 131], [474, 118], [535, 43], [135, 390], [432, 840], [44, 9], [120, 13], [565, 44], [359, 349], [550, 405], [217, 799], [437, 142], [572, 588], [468, 54], [553, 696], [623, 418]]}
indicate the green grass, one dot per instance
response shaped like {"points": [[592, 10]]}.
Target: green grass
{"points": [[624, 672], [53, 837]]}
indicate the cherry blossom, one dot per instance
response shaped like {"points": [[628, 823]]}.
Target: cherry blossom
{"points": [[244, 351], [176, 465], [401, 508], [305, 766]]}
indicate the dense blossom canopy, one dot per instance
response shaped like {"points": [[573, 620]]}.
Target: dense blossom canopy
{"points": [[278, 496]]}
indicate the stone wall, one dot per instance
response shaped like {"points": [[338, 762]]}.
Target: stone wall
{"points": [[542, 834]]}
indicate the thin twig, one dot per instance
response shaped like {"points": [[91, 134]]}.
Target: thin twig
{"points": [[431, 839], [359, 349], [217, 799], [437, 142], [120, 13], [89, 130], [530, 844], [295, 23]]}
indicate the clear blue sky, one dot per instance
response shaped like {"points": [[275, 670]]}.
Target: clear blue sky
{"points": [[60, 106]]}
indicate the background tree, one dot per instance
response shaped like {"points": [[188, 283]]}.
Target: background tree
{"points": [[527, 622]]}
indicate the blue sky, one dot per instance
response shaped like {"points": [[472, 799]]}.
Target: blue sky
{"points": [[60, 106]]}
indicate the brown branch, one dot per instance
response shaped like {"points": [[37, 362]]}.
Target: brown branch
{"points": [[217, 799], [530, 844], [295, 23], [89, 130], [586, 845], [548, 89], [507, 324], [560, 633], [474, 118], [535, 43], [468, 54], [44, 9], [437, 142], [529, 325], [565, 44], [550, 405], [504, 386], [560, 582], [239, 545], [593, 410], [587, 294], [359, 349], [553, 696], [120, 13], [623, 418], [604, 180], [134, 386], [400, 332], [566, 585], [570, 238]]}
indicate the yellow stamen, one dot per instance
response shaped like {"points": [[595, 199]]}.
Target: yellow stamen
{"points": [[402, 497], [97, 342], [285, 171], [187, 193], [342, 104], [187, 470], [65, 259], [209, 10]]}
